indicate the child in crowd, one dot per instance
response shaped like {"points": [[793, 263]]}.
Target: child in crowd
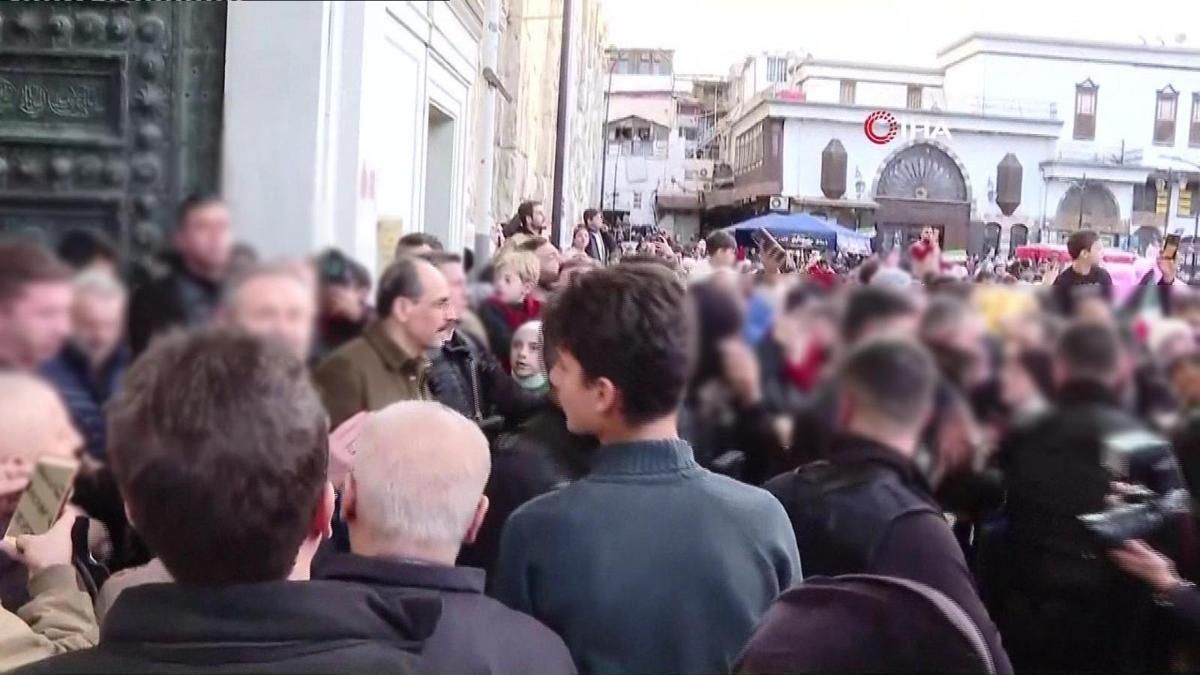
{"points": [[512, 303], [528, 367]]}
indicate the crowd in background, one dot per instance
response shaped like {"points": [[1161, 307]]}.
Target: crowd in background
{"points": [[624, 456]]}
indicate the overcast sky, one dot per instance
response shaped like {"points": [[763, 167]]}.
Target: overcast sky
{"points": [[710, 35]]}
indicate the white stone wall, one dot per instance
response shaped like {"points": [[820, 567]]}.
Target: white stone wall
{"points": [[327, 109]]}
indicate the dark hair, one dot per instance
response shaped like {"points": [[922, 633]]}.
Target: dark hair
{"points": [[1089, 351], [401, 279], [518, 222], [194, 202], [468, 259], [24, 262], [79, 247], [588, 214], [719, 240], [439, 258], [649, 259], [417, 240], [718, 318], [1081, 241], [867, 271], [630, 324], [944, 313], [894, 378], [799, 296], [1038, 364], [219, 443], [873, 303]]}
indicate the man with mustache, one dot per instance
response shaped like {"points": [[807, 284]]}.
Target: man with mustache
{"points": [[388, 363]]}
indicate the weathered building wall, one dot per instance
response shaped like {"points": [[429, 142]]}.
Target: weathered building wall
{"points": [[525, 127]]}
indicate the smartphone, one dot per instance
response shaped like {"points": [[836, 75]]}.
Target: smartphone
{"points": [[44, 497], [1170, 247]]}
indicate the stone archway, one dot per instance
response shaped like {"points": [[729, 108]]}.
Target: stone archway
{"points": [[902, 160], [1090, 206], [991, 239], [923, 184], [1145, 237], [1018, 236]]}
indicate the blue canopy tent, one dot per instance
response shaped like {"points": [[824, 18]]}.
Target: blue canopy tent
{"points": [[800, 230]]}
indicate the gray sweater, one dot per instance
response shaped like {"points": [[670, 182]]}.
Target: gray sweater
{"points": [[650, 563]]}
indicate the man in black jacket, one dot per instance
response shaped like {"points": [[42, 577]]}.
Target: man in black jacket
{"points": [[219, 444], [465, 376], [871, 311], [866, 509], [414, 497], [1061, 603], [190, 290], [601, 243]]}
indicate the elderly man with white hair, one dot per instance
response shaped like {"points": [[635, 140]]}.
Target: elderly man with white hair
{"points": [[89, 368], [413, 497]]}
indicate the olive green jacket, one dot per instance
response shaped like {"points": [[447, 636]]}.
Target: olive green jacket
{"points": [[369, 373]]}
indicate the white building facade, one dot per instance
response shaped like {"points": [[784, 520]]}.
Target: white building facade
{"points": [[1072, 155], [653, 173], [351, 123]]}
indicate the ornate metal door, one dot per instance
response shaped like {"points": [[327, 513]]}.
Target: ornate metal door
{"points": [[110, 112]]}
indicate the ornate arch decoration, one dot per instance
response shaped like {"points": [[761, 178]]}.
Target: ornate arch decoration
{"points": [[1100, 209], [925, 169]]}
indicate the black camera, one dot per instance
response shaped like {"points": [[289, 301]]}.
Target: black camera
{"points": [[1140, 514], [1140, 459]]}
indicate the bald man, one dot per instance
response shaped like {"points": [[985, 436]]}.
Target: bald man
{"points": [[413, 497], [33, 423]]}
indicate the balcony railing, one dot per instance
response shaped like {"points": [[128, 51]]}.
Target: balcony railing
{"points": [[1082, 151], [998, 107]]}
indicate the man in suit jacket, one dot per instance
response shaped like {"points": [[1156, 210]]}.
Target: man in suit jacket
{"points": [[602, 243]]}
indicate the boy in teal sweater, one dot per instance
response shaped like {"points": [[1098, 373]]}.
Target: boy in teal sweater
{"points": [[650, 563]]}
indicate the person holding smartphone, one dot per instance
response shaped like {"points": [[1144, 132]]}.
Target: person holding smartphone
{"points": [[59, 617]]}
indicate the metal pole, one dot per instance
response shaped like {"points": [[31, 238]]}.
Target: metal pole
{"points": [[604, 136], [560, 130], [1082, 189]]}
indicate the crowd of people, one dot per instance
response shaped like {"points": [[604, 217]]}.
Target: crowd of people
{"points": [[613, 458]]}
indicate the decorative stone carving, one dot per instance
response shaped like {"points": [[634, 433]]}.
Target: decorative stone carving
{"points": [[27, 23], [60, 168], [90, 95], [146, 169], [150, 29], [119, 28], [29, 169], [88, 25], [60, 25], [146, 205], [1008, 184], [115, 172], [922, 171], [151, 100], [88, 168], [151, 66], [149, 136], [146, 235]]}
